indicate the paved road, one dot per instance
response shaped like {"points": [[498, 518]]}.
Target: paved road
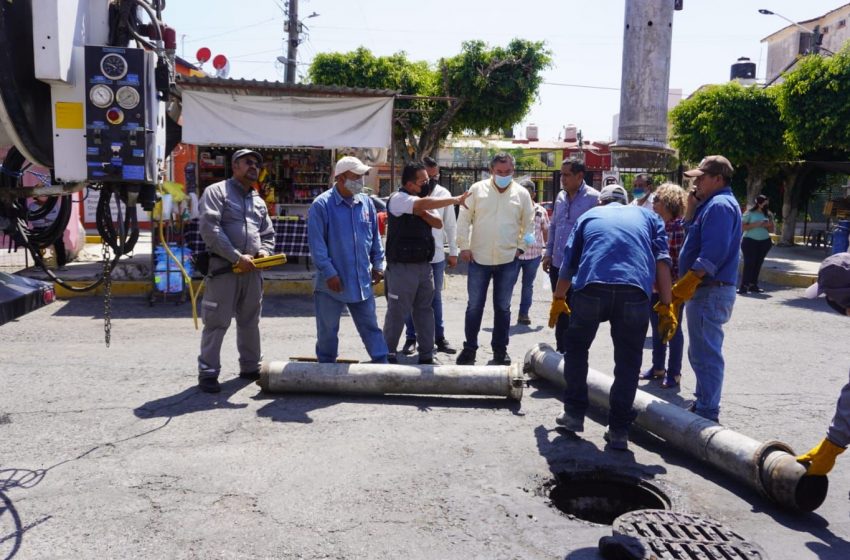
{"points": [[112, 453]]}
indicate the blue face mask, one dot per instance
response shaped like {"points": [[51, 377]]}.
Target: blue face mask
{"points": [[503, 182]]}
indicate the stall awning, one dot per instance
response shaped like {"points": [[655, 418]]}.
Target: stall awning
{"points": [[227, 119]]}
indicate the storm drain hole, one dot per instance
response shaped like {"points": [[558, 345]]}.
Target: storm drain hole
{"points": [[601, 496]]}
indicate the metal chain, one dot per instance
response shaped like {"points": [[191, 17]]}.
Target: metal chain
{"points": [[107, 294]]}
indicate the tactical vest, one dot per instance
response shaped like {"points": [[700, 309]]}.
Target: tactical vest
{"points": [[409, 238]]}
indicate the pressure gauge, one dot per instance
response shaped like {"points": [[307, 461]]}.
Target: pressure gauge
{"points": [[113, 66], [128, 97], [101, 96]]}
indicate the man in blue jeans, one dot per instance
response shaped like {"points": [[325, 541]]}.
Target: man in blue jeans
{"points": [[612, 258], [710, 259]]}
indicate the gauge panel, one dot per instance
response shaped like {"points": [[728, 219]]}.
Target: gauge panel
{"points": [[113, 66], [127, 97], [101, 96]]}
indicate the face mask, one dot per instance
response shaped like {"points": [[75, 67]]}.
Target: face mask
{"points": [[425, 189], [503, 182], [354, 187], [432, 182]]}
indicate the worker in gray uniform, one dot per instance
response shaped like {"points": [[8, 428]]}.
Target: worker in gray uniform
{"points": [[235, 225]]}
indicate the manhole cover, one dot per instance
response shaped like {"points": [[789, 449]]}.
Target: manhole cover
{"points": [[683, 536], [602, 496]]}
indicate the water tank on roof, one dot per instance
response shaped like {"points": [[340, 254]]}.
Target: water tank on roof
{"points": [[744, 69], [570, 133], [531, 133]]}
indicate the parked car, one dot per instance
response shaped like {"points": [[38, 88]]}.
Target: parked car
{"points": [[20, 295]]}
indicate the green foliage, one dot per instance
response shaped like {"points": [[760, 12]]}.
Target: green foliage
{"points": [[814, 101], [742, 123], [361, 68]]}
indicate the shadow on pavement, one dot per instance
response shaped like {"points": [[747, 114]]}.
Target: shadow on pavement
{"points": [[191, 400]]}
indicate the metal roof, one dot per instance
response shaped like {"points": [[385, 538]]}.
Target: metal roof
{"points": [[267, 88]]}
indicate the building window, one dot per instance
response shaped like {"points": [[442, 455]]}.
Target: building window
{"points": [[842, 23], [825, 30]]}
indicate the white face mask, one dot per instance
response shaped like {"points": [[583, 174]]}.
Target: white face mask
{"points": [[354, 187]]}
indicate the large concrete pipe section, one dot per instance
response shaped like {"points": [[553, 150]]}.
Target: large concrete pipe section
{"points": [[770, 467], [381, 379]]}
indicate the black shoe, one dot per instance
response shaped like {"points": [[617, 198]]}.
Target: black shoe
{"points": [[432, 361], [743, 290], [466, 357], [617, 440], [409, 347], [523, 320], [392, 359], [755, 289], [209, 384], [250, 375], [502, 358], [444, 346]]}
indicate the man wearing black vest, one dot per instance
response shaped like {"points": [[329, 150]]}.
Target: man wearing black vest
{"points": [[410, 248]]}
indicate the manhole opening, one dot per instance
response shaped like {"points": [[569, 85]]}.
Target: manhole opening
{"points": [[601, 496]]}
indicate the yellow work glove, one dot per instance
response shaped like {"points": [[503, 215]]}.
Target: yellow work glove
{"points": [[684, 289], [821, 458], [559, 305], [667, 321]]}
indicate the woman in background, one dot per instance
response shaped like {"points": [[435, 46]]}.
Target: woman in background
{"points": [[757, 224]]}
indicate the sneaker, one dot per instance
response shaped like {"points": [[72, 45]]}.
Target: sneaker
{"points": [[392, 358], [743, 290], [756, 290], [444, 346], [570, 422], [209, 384], [671, 381], [409, 347], [250, 375], [432, 361], [652, 373], [617, 440], [502, 358], [523, 320], [466, 357]]}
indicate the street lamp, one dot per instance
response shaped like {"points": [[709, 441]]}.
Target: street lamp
{"points": [[817, 36]]}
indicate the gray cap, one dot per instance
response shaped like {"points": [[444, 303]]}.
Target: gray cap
{"points": [[245, 152], [833, 280], [614, 193]]}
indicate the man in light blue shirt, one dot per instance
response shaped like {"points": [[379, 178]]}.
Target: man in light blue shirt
{"points": [[575, 198], [342, 228]]}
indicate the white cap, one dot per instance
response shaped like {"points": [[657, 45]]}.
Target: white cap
{"points": [[351, 163]]}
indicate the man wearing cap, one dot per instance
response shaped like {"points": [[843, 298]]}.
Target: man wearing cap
{"points": [[615, 253], [709, 261], [834, 282], [493, 229], [575, 198], [235, 226], [410, 248], [342, 229]]}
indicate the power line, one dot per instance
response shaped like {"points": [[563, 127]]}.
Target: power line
{"points": [[580, 86], [231, 30]]}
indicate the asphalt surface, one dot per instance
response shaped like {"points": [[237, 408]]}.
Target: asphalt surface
{"points": [[113, 452]]}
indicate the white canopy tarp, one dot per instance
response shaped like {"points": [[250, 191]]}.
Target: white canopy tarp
{"points": [[211, 118]]}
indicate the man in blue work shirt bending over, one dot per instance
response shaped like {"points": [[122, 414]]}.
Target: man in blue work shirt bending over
{"points": [[342, 229]]}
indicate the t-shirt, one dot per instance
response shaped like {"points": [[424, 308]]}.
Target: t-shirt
{"points": [[757, 233], [402, 202]]}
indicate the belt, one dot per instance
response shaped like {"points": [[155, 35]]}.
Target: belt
{"points": [[714, 284]]}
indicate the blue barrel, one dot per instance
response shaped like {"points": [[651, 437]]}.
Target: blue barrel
{"points": [[840, 234]]}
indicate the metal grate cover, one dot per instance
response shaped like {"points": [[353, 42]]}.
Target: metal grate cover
{"points": [[684, 536]]}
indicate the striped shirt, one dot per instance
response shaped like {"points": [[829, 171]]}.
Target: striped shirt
{"points": [[541, 224]]}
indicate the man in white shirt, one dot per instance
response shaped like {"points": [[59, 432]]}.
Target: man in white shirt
{"points": [[446, 235], [410, 248], [644, 191], [499, 214]]}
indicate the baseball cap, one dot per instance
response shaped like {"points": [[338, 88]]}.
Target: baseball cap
{"points": [[350, 163], [245, 152], [833, 281], [614, 193], [713, 165]]}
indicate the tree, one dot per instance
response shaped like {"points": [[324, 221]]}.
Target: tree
{"points": [[490, 88], [742, 123], [814, 102]]}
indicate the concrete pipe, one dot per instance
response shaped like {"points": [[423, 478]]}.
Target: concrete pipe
{"points": [[770, 467], [380, 379]]}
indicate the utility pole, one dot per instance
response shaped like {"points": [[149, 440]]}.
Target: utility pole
{"points": [[292, 47]]}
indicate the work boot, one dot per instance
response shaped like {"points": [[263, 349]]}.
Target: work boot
{"points": [[443, 346], [392, 358], [617, 439], [501, 359], [409, 347], [209, 384], [250, 375], [523, 320], [466, 357], [570, 422]]}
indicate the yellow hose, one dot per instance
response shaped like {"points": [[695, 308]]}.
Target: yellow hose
{"points": [[192, 295]]}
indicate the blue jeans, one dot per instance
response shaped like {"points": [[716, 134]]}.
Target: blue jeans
{"points": [[529, 273], [627, 309], [436, 304], [707, 312], [659, 349], [477, 281], [328, 312]]}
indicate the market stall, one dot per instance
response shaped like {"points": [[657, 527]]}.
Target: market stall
{"points": [[300, 130]]}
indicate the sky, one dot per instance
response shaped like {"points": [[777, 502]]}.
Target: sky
{"points": [[585, 37]]}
